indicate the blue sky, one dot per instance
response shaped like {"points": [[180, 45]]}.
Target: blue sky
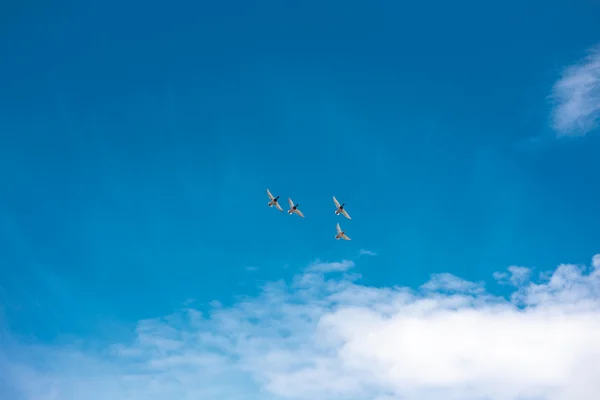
{"points": [[137, 140]]}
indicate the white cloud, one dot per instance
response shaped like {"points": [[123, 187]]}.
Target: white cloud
{"points": [[320, 266], [516, 276], [450, 283], [322, 337], [596, 261], [576, 97], [500, 276], [365, 252], [519, 275]]}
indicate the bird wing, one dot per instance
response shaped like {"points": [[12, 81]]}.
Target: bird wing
{"points": [[345, 214], [299, 212], [337, 226], [337, 203], [345, 237], [278, 206], [270, 195], [291, 202]]}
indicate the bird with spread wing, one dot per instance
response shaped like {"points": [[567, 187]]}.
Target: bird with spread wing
{"points": [[274, 201], [340, 208], [340, 233], [294, 208]]}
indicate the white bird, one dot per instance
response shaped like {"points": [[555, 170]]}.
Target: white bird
{"points": [[294, 208], [340, 208], [274, 201], [340, 233]]}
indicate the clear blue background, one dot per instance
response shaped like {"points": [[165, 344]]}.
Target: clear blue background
{"points": [[137, 140]]}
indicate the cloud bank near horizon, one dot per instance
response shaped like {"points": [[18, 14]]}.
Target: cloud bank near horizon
{"points": [[576, 97], [325, 336]]}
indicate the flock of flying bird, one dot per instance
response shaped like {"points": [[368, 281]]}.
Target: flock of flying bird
{"points": [[294, 209]]}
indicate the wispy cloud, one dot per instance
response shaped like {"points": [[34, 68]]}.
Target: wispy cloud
{"points": [[515, 276], [596, 261], [320, 266], [329, 337], [365, 252], [576, 97], [450, 283]]}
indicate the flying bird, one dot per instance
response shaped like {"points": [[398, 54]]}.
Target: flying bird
{"points": [[340, 233], [340, 208], [294, 208], [274, 201]]}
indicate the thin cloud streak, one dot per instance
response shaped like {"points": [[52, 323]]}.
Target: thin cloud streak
{"points": [[365, 252], [320, 266], [325, 336], [576, 97]]}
